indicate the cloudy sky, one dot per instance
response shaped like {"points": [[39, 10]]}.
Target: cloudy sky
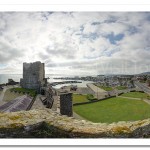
{"points": [[76, 43]]}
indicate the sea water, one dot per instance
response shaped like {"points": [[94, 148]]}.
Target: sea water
{"points": [[16, 77]]}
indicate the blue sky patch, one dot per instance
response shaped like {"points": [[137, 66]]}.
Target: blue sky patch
{"points": [[3, 65], [81, 28], [133, 29], [114, 38]]}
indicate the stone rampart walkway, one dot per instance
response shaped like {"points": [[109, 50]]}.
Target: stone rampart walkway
{"points": [[38, 103], [54, 107]]}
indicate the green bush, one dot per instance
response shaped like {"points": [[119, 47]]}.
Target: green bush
{"points": [[106, 88], [121, 87], [148, 97], [90, 97]]}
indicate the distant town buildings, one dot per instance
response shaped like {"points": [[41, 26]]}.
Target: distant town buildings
{"points": [[33, 76]]}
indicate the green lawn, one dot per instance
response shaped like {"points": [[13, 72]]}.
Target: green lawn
{"points": [[135, 95], [106, 88], [77, 98], [114, 110], [121, 87]]}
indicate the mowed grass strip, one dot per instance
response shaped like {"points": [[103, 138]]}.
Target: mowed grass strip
{"points": [[114, 110], [135, 95], [77, 98], [106, 88]]}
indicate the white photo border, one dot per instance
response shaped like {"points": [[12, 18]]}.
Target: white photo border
{"points": [[78, 5]]}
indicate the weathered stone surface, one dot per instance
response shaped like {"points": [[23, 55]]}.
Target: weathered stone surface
{"points": [[66, 104], [45, 123]]}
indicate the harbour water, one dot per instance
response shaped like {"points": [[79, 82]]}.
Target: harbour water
{"points": [[4, 77], [16, 77]]}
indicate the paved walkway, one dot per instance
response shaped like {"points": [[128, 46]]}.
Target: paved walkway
{"points": [[54, 107], [75, 115]]}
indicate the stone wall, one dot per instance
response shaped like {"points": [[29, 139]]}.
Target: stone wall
{"points": [[33, 76], [43, 123], [97, 92], [66, 104]]}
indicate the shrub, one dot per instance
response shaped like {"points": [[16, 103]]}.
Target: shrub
{"points": [[90, 97], [133, 91], [148, 97], [141, 91]]}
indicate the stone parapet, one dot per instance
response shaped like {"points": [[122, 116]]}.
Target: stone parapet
{"points": [[45, 123]]}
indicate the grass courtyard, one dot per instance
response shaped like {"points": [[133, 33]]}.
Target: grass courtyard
{"points": [[114, 110], [135, 95], [78, 98], [109, 88]]}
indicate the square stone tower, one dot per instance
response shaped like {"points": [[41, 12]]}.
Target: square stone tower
{"points": [[33, 76]]}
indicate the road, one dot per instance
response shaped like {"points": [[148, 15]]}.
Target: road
{"points": [[143, 87]]}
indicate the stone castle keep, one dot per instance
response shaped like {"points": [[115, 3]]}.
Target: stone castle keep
{"points": [[33, 76]]}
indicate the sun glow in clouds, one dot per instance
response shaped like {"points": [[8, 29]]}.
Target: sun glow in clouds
{"points": [[76, 43]]}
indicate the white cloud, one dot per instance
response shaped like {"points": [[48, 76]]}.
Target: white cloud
{"points": [[76, 42]]}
